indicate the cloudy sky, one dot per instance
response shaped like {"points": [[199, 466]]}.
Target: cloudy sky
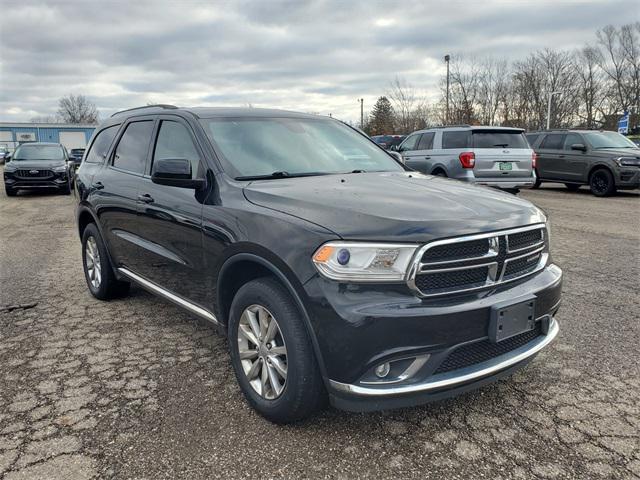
{"points": [[314, 56]]}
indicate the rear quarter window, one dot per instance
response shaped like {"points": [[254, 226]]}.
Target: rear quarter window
{"points": [[455, 139]]}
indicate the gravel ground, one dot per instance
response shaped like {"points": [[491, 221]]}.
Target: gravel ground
{"points": [[136, 388]]}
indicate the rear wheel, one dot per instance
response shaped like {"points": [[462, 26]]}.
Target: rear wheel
{"points": [[101, 279], [440, 173], [601, 183], [538, 182], [572, 187], [272, 354]]}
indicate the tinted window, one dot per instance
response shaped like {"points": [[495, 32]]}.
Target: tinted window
{"points": [[426, 142], [100, 146], [410, 143], [553, 142], [499, 139], [131, 152], [455, 139], [174, 141], [532, 137], [571, 139]]}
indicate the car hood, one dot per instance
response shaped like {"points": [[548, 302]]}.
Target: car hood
{"points": [[619, 152], [36, 164], [393, 206]]}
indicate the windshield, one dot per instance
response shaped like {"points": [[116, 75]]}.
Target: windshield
{"points": [[499, 139], [608, 140], [294, 146], [39, 152]]}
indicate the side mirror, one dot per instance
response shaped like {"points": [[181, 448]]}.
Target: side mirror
{"points": [[175, 172], [396, 156], [579, 146]]}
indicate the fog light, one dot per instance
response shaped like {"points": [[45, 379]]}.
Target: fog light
{"points": [[382, 370]]}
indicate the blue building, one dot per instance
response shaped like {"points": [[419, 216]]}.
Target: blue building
{"points": [[71, 136]]}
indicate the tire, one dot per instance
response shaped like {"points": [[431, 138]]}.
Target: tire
{"points": [[602, 183], [10, 191], [440, 173], [301, 391], [107, 285], [572, 187], [538, 182], [66, 190]]}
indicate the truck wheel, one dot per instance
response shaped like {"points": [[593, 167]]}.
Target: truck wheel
{"points": [[101, 280], [572, 187], [601, 183], [272, 354]]}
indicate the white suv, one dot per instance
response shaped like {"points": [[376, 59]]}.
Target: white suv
{"points": [[496, 156]]}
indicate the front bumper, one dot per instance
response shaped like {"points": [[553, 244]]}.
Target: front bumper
{"points": [[59, 181], [357, 330], [628, 178]]}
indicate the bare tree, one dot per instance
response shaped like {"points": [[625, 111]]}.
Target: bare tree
{"points": [[493, 83], [77, 109], [407, 105], [45, 119]]}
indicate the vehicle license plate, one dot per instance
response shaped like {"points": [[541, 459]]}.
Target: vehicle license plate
{"points": [[505, 166], [510, 319]]}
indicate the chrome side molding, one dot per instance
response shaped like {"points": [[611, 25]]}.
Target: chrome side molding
{"points": [[172, 297], [457, 377]]}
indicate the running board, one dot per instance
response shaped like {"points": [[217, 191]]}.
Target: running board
{"points": [[172, 297]]}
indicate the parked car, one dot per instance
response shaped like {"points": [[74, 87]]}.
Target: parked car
{"points": [[35, 166], [494, 156], [4, 153], [75, 155], [606, 161], [388, 141], [335, 272]]}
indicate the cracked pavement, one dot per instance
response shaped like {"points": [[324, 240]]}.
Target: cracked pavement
{"points": [[136, 388]]}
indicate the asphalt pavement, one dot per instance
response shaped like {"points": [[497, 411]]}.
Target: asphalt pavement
{"points": [[136, 388]]}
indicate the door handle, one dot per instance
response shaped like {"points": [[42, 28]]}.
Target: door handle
{"points": [[561, 156], [145, 198], [97, 186], [427, 157]]}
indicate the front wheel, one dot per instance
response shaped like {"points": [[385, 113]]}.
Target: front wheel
{"points": [[272, 354], [601, 183]]}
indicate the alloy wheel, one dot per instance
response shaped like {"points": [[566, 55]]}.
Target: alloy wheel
{"points": [[262, 351], [92, 262], [600, 182]]}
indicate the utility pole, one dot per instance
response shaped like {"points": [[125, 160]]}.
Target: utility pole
{"points": [[551, 94], [361, 113], [446, 59]]}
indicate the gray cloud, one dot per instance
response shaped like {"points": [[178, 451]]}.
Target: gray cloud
{"points": [[310, 56]]}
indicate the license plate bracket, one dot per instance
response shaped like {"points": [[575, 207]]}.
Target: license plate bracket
{"points": [[510, 318], [505, 166]]}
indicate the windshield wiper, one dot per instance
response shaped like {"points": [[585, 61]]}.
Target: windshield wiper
{"points": [[280, 174]]}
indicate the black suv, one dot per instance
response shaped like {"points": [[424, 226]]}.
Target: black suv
{"points": [[606, 161], [334, 271], [34, 166]]}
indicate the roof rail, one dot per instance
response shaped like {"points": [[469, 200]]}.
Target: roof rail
{"points": [[450, 126], [159, 105]]}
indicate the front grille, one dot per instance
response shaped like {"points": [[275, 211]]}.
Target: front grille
{"points": [[461, 251], [523, 240], [454, 279], [460, 265], [33, 173], [478, 352]]}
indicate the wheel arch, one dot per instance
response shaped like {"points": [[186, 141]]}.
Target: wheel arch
{"points": [[241, 268], [600, 166]]}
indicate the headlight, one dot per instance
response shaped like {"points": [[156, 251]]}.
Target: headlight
{"points": [[627, 161], [364, 262], [60, 169]]}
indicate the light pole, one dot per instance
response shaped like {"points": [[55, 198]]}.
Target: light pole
{"points": [[446, 59], [549, 108], [361, 100]]}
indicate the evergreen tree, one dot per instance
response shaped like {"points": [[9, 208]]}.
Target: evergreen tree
{"points": [[382, 118]]}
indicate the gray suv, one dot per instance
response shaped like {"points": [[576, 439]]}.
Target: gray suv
{"points": [[494, 156], [606, 161]]}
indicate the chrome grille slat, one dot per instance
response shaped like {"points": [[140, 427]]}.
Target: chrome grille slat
{"points": [[526, 256]]}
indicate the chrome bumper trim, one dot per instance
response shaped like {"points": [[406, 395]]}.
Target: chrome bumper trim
{"points": [[457, 377], [172, 297]]}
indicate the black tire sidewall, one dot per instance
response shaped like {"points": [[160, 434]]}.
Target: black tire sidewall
{"points": [[291, 405], [611, 188]]}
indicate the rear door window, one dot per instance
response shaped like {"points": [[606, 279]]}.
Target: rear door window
{"points": [[131, 152], [553, 142], [100, 146], [426, 141], [499, 139], [455, 139]]}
